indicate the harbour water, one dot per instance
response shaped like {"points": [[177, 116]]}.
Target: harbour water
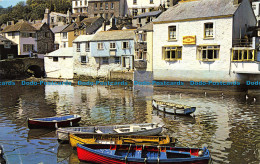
{"points": [[227, 123]]}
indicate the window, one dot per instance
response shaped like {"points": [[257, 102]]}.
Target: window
{"points": [[28, 47], [172, 53], [106, 6], [95, 15], [117, 60], [142, 37], [112, 45], [80, 3], [105, 60], [64, 44], [134, 12], [55, 59], [7, 44], [143, 10], [87, 47], [95, 6], [139, 20], [101, 6], [10, 56], [64, 35], [83, 59], [78, 47], [140, 55], [243, 55], [125, 45], [9, 34], [52, 19], [151, 1], [208, 53], [172, 33], [134, 2], [100, 46], [208, 30], [112, 6], [47, 34]]}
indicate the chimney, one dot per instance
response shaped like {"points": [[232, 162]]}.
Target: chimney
{"points": [[68, 16], [78, 18], [46, 18], [104, 26]]}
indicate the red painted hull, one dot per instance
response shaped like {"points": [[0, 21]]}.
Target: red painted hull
{"points": [[32, 124], [87, 156]]}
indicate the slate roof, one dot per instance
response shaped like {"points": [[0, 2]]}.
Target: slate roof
{"points": [[198, 9], [149, 14], [4, 39], [58, 29], [72, 27], [147, 27], [83, 38], [20, 26], [114, 35], [37, 26], [62, 52]]}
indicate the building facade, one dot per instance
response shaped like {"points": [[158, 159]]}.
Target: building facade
{"points": [[8, 49], [197, 45]]}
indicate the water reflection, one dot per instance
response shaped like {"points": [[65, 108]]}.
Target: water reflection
{"points": [[227, 123]]}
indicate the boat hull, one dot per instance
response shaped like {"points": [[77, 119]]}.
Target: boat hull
{"points": [[33, 124], [92, 156], [170, 110], [63, 133]]}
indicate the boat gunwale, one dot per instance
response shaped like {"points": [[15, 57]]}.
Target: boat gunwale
{"points": [[69, 119]]}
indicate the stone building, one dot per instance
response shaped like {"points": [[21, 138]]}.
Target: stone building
{"points": [[145, 18]]}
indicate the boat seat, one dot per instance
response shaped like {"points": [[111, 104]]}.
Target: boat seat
{"points": [[118, 130], [98, 131]]}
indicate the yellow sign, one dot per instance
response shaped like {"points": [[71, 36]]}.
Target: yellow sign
{"points": [[189, 39]]}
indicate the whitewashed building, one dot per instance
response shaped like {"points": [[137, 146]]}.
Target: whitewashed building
{"points": [[256, 8], [196, 41], [59, 63]]}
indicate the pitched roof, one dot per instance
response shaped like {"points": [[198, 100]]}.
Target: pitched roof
{"points": [[37, 26], [62, 52], [83, 38], [147, 27], [20, 26], [58, 29], [149, 14], [4, 39], [198, 9], [114, 35], [72, 27]]}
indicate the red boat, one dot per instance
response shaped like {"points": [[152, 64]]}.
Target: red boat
{"points": [[140, 154], [54, 122]]}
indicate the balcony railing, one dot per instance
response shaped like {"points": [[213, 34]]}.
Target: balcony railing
{"points": [[242, 42]]}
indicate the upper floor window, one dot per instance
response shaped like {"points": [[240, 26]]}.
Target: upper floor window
{"points": [[87, 48], [134, 12], [143, 10], [101, 6], [28, 47], [140, 55], [7, 44], [80, 3], [55, 59], [100, 46], [112, 6], [172, 53], [172, 33], [64, 35], [142, 37], [47, 34], [112, 45], [78, 47], [151, 1], [96, 6], [243, 55], [125, 45], [106, 6], [208, 30], [83, 59], [208, 53], [134, 2]]}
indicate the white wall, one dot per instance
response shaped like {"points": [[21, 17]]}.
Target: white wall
{"points": [[189, 68]]}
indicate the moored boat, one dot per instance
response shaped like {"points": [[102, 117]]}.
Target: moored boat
{"points": [[171, 108], [139, 154], [119, 139], [146, 129], [54, 122]]}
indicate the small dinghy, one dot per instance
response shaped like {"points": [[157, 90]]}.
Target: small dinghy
{"points": [[119, 139], [146, 129], [54, 122], [171, 108], [140, 154]]}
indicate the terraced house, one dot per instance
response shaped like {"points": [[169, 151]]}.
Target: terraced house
{"points": [[205, 40]]}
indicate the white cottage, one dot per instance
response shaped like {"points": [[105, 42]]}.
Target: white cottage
{"points": [[59, 63], [195, 41]]}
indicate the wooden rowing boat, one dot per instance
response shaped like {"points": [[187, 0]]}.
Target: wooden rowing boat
{"points": [[119, 139], [146, 129], [138, 154], [54, 122], [171, 108]]}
